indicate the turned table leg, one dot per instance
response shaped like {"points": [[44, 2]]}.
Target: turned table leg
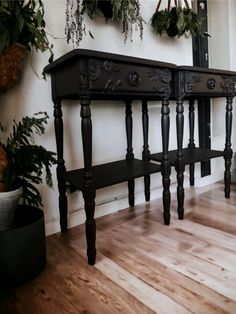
{"points": [[61, 169], [191, 138], [89, 188], [165, 166], [129, 154], [179, 161], [146, 152], [228, 153]]}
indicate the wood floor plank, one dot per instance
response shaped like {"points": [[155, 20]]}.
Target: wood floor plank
{"points": [[187, 243], [142, 265], [204, 272], [180, 288], [204, 216], [152, 298], [104, 295], [205, 233]]}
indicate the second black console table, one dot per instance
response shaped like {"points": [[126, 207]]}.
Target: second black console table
{"points": [[191, 83], [89, 75]]}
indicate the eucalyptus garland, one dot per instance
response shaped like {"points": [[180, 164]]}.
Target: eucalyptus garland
{"points": [[127, 12], [124, 12], [75, 27], [176, 21]]}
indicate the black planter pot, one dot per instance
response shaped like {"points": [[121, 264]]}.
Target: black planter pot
{"points": [[106, 8], [22, 249]]}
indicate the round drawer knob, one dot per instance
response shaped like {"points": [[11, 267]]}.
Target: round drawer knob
{"points": [[134, 78], [211, 83]]}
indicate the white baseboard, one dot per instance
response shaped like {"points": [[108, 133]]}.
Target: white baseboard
{"points": [[109, 206], [106, 207], [233, 178]]}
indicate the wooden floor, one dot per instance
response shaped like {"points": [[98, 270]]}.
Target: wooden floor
{"points": [[142, 266]]}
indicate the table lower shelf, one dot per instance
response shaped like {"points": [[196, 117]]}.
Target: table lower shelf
{"points": [[190, 155], [112, 173]]}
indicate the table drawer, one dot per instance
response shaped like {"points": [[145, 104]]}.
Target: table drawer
{"points": [[107, 76], [207, 83]]}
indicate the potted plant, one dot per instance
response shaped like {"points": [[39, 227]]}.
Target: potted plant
{"points": [[23, 165], [124, 12], [177, 20], [96, 7], [22, 27]]}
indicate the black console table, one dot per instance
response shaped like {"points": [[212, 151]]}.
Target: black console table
{"points": [[89, 75], [191, 83]]}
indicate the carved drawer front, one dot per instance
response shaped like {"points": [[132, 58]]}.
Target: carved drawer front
{"points": [[207, 83], [106, 76]]}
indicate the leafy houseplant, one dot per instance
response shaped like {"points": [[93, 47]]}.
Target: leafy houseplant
{"points": [[175, 21], [124, 12], [22, 229], [22, 162], [22, 27]]}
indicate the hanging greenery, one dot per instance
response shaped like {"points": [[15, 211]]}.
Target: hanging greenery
{"points": [[22, 22], [124, 12], [22, 28], [176, 21]]}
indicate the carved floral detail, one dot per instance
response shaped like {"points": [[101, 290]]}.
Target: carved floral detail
{"points": [[162, 80], [109, 67], [84, 81], [159, 78], [96, 69], [111, 84], [228, 84], [191, 80]]}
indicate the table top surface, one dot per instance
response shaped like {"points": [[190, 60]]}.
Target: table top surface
{"points": [[81, 53], [205, 70]]}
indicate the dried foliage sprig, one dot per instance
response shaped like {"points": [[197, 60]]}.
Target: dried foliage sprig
{"points": [[75, 27], [125, 12]]}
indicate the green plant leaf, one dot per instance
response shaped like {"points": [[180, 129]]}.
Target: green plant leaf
{"points": [[23, 23], [3, 40], [176, 22], [28, 163]]}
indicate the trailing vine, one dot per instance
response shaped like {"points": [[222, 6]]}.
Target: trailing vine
{"points": [[124, 12]]}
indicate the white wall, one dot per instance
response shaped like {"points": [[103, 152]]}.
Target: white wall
{"points": [[33, 94], [222, 49]]}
